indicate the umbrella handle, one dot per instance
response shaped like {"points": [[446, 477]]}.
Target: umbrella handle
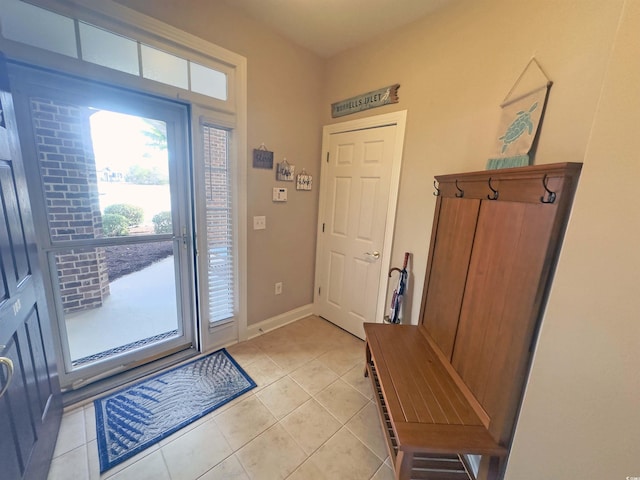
{"points": [[404, 265], [406, 260]]}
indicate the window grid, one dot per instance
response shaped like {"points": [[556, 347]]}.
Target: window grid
{"points": [[59, 36]]}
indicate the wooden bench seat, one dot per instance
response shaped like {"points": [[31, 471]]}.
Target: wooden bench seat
{"points": [[431, 418]]}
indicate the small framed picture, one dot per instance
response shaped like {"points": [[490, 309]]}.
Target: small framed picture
{"points": [[304, 181], [285, 171], [262, 158]]}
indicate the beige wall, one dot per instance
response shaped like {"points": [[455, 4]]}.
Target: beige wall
{"points": [[455, 67], [284, 104], [581, 416]]}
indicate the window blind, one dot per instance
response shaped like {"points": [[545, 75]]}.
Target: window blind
{"points": [[219, 218]]}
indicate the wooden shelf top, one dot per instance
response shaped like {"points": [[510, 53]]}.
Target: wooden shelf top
{"points": [[429, 406]]}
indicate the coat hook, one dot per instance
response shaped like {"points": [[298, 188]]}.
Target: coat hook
{"points": [[552, 195], [495, 192], [437, 192], [460, 193]]}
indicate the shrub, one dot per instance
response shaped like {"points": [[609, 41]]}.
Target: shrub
{"points": [[133, 214], [145, 176], [114, 225], [162, 223]]}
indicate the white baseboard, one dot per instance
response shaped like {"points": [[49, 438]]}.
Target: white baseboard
{"points": [[272, 323]]}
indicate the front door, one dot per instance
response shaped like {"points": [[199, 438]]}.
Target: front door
{"points": [[111, 179], [30, 399], [359, 184]]}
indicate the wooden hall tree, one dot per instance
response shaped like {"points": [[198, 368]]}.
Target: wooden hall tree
{"points": [[453, 384]]}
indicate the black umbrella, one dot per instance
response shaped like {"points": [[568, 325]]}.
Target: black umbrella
{"points": [[398, 293]]}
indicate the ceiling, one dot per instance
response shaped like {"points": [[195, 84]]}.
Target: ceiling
{"points": [[327, 27]]}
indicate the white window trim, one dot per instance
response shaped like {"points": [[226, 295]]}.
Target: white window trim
{"points": [[231, 113]]}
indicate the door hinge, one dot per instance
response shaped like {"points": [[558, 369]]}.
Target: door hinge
{"points": [[327, 157], [323, 228], [319, 289]]}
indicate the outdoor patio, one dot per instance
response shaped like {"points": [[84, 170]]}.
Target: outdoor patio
{"points": [[140, 307]]}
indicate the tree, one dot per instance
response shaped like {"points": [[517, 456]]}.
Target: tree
{"points": [[156, 133]]}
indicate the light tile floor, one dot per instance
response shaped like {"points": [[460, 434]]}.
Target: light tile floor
{"points": [[311, 417]]}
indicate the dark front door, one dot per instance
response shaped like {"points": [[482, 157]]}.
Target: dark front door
{"points": [[30, 400]]}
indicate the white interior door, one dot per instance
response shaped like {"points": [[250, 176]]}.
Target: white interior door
{"points": [[358, 197]]}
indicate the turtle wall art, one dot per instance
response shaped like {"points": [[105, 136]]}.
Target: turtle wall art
{"points": [[519, 124]]}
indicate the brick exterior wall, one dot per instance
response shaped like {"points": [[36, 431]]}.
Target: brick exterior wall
{"points": [[218, 213], [67, 167], [216, 183]]}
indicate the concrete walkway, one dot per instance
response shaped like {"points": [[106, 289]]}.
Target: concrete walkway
{"points": [[141, 305]]}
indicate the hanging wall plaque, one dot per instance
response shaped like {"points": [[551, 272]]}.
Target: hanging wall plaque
{"points": [[376, 98], [285, 171], [262, 158], [522, 113], [304, 181]]}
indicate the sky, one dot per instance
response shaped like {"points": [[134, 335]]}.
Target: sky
{"points": [[118, 143]]}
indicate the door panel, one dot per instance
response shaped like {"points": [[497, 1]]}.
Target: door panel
{"points": [[335, 278], [358, 179], [31, 407]]}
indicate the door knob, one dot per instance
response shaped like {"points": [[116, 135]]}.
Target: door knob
{"points": [[375, 254], [9, 364]]}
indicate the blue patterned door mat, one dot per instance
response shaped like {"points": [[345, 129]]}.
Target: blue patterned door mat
{"points": [[138, 416]]}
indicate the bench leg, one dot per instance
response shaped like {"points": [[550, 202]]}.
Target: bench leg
{"points": [[494, 468], [367, 359], [489, 468], [404, 464]]}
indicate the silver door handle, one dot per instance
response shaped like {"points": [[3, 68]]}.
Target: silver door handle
{"points": [[375, 254], [182, 237], [9, 364]]}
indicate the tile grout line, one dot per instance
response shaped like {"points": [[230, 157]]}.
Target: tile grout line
{"points": [[261, 348]]}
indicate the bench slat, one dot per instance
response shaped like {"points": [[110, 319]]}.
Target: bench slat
{"points": [[429, 411], [426, 391]]}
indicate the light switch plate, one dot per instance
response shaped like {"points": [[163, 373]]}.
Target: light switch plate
{"points": [[259, 223]]}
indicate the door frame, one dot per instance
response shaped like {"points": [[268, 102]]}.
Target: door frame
{"points": [[398, 119], [31, 81], [230, 112]]}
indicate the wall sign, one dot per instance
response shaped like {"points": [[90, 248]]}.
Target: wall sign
{"points": [[522, 113], [304, 181], [376, 98], [285, 171], [262, 158]]}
